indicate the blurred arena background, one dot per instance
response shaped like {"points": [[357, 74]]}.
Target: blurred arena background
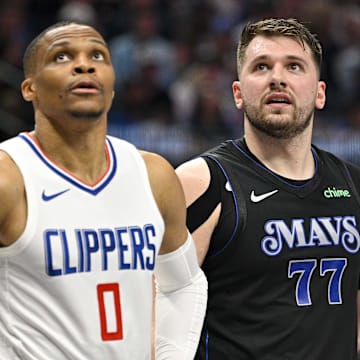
{"points": [[175, 62]]}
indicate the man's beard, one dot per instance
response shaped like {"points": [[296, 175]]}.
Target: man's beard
{"points": [[278, 129], [86, 114]]}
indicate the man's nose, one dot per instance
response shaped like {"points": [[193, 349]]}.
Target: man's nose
{"points": [[83, 65], [278, 77]]}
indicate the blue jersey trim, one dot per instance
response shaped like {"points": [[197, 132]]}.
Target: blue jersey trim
{"points": [[275, 175], [87, 188], [236, 210]]}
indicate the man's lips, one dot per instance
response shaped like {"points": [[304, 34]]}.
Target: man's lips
{"points": [[85, 87], [278, 99]]}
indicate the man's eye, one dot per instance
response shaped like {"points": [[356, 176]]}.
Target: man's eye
{"points": [[261, 67], [61, 57], [294, 66], [98, 55]]}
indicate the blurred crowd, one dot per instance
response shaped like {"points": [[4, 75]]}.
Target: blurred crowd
{"points": [[175, 61]]}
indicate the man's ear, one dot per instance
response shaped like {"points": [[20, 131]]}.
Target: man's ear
{"points": [[237, 94], [28, 89], [321, 95]]}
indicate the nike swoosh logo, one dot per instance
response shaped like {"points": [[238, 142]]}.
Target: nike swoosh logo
{"points": [[46, 197], [257, 198]]}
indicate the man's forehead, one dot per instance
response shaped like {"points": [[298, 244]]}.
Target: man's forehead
{"points": [[72, 31], [261, 45]]}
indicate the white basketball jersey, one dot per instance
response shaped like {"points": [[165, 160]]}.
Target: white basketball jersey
{"points": [[77, 284]]}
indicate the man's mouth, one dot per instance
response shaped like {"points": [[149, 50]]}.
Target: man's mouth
{"points": [[277, 99], [85, 87]]}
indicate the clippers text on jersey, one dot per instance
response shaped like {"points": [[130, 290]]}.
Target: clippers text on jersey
{"points": [[86, 250]]}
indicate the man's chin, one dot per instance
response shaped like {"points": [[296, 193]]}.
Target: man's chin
{"points": [[82, 114]]}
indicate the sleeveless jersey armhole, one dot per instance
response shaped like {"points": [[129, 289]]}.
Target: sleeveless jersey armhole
{"points": [[201, 209]]}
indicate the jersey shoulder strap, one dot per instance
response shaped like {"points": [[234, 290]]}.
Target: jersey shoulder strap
{"points": [[228, 160]]}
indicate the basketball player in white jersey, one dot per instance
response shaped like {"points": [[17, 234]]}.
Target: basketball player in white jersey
{"points": [[86, 220]]}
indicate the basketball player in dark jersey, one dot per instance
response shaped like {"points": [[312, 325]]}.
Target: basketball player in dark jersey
{"points": [[275, 219]]}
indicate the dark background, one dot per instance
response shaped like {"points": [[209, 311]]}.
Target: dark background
{"points": [[175, 61]]}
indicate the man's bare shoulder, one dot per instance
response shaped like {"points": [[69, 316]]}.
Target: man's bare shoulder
{"points": [[193, 170], [169, 196], [194, 176], [153, 159], [10, 176], [161, 172], [158, 167], [12, 195]]}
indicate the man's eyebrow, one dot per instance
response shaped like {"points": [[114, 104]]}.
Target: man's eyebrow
{"points": [[287, 57], [260, 57], [98, 41], [58, 44], [67, 42], [296, 58]]}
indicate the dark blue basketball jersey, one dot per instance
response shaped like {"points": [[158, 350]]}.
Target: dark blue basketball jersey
{"points": [[283, 264]]}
